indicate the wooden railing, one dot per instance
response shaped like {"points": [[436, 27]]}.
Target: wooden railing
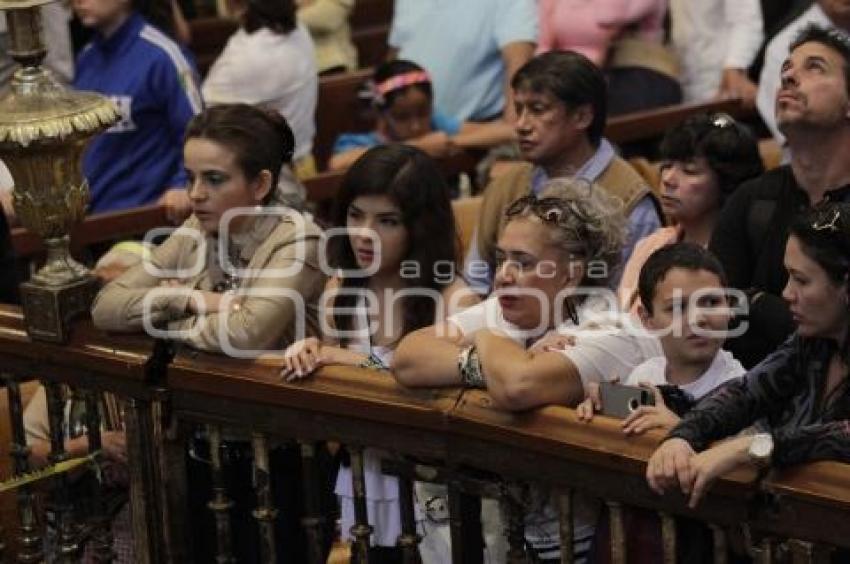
{"points": [[456, 435], [129, 367]]}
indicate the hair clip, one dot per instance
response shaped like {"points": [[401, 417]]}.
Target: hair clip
{"points": [[552, 215], [401, 81], [722, 120], [822, 224]]}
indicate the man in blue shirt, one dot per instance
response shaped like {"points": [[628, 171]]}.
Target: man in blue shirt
{"points": [[139, 160], [560, 100], [471, 48]]}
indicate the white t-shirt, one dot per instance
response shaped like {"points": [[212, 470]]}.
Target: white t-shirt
{"points": [[723, 368], [273, 69], [602, 347], [609, 343], [6, 181]]}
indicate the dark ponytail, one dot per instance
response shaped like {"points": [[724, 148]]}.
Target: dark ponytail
{"points": [[824, 236]]}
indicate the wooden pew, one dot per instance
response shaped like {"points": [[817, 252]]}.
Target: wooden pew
{"points": [[370, 27], [209, 36], [466, 212], [371, 44], [651, 124], [371, 13], [339, 111]]}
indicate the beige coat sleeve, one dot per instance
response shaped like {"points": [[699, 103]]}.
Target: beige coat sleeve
{"points": [[120, 305], [267, 311]]}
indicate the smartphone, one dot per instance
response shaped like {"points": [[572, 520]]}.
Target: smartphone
{"points": [[619, 400]]}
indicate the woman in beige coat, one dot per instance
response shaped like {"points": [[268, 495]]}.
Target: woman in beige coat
{"points": [[240, 275]]}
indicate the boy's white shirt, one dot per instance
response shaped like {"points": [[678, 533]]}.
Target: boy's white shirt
{"points": [[723, 368]]}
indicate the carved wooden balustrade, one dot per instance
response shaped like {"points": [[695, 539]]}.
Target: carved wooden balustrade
{"points": [[450, 436], [90, 364]]}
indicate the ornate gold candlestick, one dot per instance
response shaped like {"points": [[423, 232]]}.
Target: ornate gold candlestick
{"points": [[44, 129]]}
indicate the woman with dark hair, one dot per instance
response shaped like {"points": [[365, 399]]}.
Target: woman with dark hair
{"points": [[397, 260], [224, 282], [402, 96], [703, 160], [798, 398], [270, 61], [233, 155]]}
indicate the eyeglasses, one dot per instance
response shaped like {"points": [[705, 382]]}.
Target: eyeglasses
{"points": [[828, 223]]}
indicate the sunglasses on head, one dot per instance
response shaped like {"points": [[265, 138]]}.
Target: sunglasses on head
{"points": [[550, 210], [828, 221]]}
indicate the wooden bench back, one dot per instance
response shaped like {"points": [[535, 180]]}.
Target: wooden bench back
{"points": [[339, 110]]}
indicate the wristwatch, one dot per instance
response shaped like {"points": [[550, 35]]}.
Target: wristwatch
{"points": [[761, 449]]}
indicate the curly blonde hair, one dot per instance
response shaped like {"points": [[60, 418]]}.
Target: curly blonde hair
{"points": [[583, 219]]}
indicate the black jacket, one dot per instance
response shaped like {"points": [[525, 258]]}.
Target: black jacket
{"points": [[785, 395], [749, 239]]}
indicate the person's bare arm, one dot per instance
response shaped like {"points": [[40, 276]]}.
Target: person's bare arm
{"points": [[40, 450], [514, 55], [342, 161], [6, 201], [178, 207], [483, 135], [182, 30], [428, 357], [518, 379], [113, 446]]}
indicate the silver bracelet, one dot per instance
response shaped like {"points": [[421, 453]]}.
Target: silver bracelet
{"points": [[373, 362], [469, 366]]}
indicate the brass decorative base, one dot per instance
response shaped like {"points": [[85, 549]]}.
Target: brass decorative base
{"points": [[49, 310]]}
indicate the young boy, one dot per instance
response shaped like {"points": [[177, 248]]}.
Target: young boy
{"points": [[683, 301]]}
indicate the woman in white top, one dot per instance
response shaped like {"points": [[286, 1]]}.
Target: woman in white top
{"points": [[554, 259], [396, 246], [270, 61]]}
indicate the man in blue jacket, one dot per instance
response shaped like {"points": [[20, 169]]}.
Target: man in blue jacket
{"points": [[138, 161]]}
